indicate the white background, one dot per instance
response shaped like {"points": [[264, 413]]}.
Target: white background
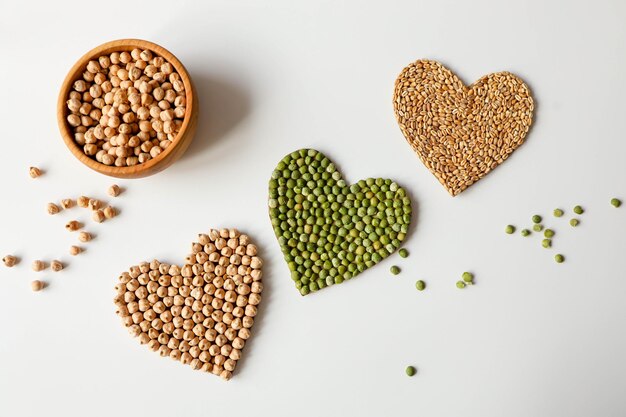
{"points": [[531, 338]]}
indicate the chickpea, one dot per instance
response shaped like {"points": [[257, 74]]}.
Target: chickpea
{"points": [[34, 172], [119, 91], [10, 261]]}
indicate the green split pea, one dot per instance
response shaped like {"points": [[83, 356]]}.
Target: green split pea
{"points": [[395, 270], [420, 285], [536, 219], [403, 253], [410, 370], [559, 258], [558, 212], [330, 231], [578, 210], [538, 228], [509, 229], [467, 278], [574, 222], [549, 233], [615, 202], [525, 232]]}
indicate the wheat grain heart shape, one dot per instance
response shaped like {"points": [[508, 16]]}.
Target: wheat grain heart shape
{"points": [[461, 133]]}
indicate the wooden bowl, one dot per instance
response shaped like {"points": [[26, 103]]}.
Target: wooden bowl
{"points": [[171, 153]]}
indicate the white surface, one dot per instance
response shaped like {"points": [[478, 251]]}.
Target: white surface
{"points": [[532, 338]]}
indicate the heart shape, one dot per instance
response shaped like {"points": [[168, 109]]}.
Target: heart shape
{"points": [[328, 231], [461, 133], [202, 313]]}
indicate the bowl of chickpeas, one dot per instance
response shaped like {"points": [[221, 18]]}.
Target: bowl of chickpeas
{"points": [[127, 109]]}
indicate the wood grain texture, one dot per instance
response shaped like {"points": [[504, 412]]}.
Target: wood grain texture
{"points": [[171, 153]]}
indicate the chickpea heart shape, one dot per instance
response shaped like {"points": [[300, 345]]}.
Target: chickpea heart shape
{"points": [[461, 133], [201, 313], [330, 231]]}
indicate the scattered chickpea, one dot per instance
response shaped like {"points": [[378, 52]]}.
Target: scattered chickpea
{"points": [[94, 204], [56, 265], [115, 190], [38, 265], [10, 261], [75, 250], [72, 226], [34, 172], [67, 203], [37, 285], [53, 208], [84, 236], [83, 201], [98, 216], [110, 212]]}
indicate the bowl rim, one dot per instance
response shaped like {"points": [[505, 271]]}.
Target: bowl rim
{"points": [[76, 72]]}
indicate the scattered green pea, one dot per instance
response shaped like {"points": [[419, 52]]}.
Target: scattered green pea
{"points": [[403, 253], [536, 219], [525, 232], [549, 233], [558, 212], [574, 222], [460, 284], [395, 270], [615, 202], [578, 210], [410, 370], [468, 277], [420, 285], [509, 229], [538, 227], [546, 243], [559, 258]]}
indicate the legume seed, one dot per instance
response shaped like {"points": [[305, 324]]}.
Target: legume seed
{"points": [[509, 229], [114, 190], [37, 285], [56, 265], [53, 208], [10, 261], [34, 172], [38, 265]]}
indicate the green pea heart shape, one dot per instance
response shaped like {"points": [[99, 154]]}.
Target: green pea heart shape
{"points": [[330, 231]]}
